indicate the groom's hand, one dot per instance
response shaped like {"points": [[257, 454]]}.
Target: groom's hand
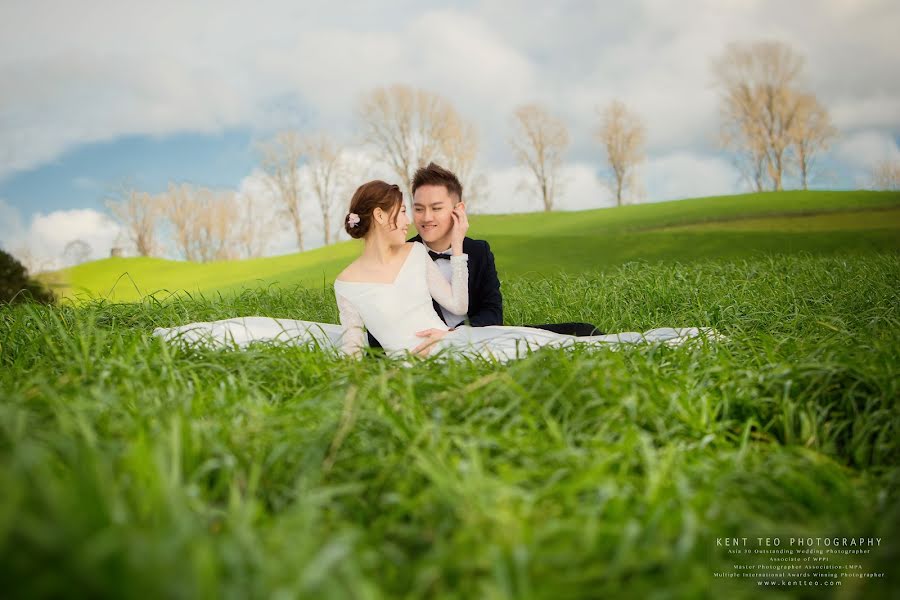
{"points": [[433, 335]]}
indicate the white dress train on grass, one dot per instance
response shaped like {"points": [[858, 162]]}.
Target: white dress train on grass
{"points": [[394, 312]]}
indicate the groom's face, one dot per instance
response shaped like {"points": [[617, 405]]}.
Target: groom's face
{"points": [[432, 207]]}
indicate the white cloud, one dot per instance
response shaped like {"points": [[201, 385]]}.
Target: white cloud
{"points": [[165, 67], [512, 190], [686, 175], [656, 56], [669, 177], [866, 148], [203, 69], [507, 191], [583, 189], [43, 241], [255, 189], [879, 109]]}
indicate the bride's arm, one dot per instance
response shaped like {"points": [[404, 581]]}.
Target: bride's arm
{"points": [[353, 339], [453, 296]]}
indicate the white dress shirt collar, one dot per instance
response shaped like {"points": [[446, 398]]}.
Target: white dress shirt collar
{"points": [[448, 251]]}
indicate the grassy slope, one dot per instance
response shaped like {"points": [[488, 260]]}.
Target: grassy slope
{"points": [[130, 468], [571, 242]]}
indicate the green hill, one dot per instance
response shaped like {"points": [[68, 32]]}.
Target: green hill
{"points": [[134, 467], [538, 244]]}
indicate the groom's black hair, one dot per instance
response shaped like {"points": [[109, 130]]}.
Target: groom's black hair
{"points": [[435, 174]]}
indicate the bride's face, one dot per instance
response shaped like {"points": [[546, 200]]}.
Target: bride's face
{"points": [[398, 234]]}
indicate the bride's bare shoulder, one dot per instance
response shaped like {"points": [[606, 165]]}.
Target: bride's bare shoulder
{"points": [[350, 273]]}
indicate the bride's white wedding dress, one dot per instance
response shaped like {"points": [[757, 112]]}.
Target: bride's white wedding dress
{"points": [[395, 312]]}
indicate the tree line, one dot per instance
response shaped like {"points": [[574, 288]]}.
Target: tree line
{"points": [[770, 125]]}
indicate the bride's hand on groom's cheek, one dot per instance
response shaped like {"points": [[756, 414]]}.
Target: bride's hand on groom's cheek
{"points": [[433, 336], [460, 223], [460, 217]]}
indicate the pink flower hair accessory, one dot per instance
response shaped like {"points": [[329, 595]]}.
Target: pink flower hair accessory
{"points": [[352, 220]]}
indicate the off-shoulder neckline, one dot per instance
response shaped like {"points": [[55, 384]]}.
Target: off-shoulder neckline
{"points": [[396, 277]]}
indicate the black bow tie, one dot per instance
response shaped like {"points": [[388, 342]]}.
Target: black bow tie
{"points": [[437, 256]]}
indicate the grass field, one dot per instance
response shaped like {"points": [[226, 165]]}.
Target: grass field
{"points": [[534, 245], [134, 469]]}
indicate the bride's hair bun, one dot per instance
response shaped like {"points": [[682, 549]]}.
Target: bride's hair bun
{"points": [[368, 197]]}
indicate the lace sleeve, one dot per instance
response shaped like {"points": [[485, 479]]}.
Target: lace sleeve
{"points": [[353, 338], [453, 296]]}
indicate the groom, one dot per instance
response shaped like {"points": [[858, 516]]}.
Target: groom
{"points": [[436, 191]]}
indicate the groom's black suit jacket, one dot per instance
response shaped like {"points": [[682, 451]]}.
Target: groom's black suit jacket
{"points": [[485, 301]]}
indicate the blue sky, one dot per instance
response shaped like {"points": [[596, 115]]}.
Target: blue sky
{"points": [[179, 92], [83, 177]]}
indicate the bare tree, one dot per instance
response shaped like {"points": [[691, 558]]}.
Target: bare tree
{"points": [[759, 105], [76, 252], [203, 222], [460, 150], [180, 209], [412, 127], [328, 175], [886, 175], [811, 135], [622, 135], [256, 222], [539, 140], [280, 159], [750, 157], [138, 214], [218, 213]]}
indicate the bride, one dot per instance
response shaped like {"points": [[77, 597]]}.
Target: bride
{"points": [[389, 289]]}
